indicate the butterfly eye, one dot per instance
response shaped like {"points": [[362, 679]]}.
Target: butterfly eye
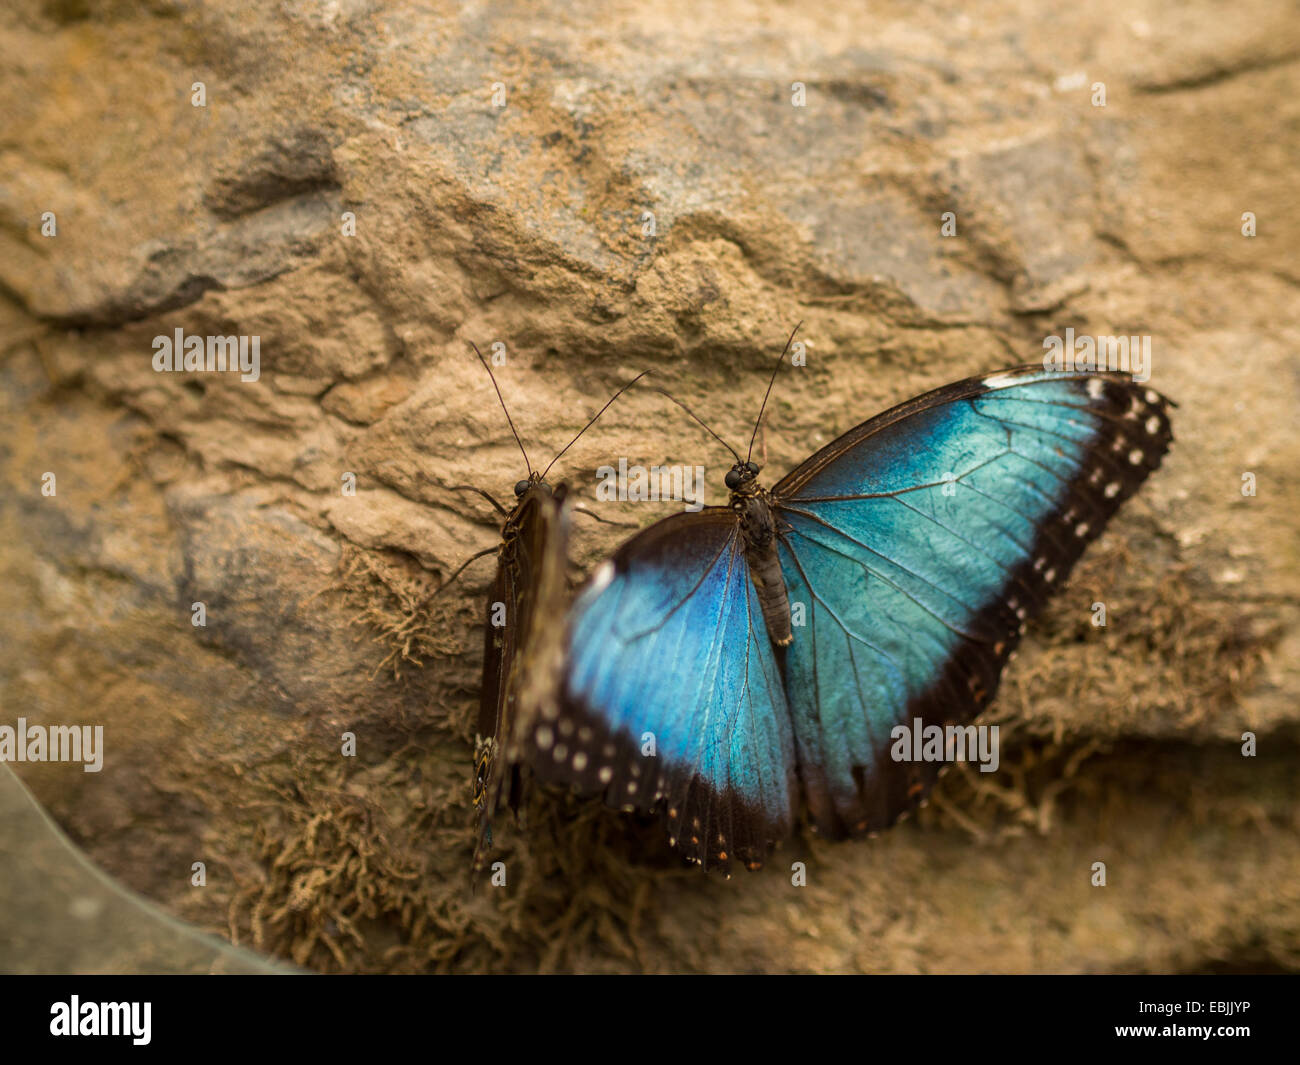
{"points": [[521, 488], [733, 479], [752, 467]]}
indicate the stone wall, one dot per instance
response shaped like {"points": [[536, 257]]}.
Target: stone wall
{"points": [[607, 188]]}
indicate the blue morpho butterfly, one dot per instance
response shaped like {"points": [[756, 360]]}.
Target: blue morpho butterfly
{"points": [[530, 590], [914, 548]]}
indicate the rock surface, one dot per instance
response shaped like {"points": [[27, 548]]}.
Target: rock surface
{"points": [[602, 189]]}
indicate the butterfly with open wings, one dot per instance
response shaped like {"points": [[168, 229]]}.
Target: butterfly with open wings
{"points": [[737, 666]]}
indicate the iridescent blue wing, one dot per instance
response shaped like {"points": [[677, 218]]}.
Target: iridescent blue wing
{"points": [[672, 697], [919, 543]]}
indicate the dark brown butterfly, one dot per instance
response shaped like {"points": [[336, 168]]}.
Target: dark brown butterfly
{"points": [[522, 647], [520, 666]]}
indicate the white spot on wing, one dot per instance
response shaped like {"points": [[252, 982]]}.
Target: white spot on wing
{"points": [[1002, 380], [600, 580]]}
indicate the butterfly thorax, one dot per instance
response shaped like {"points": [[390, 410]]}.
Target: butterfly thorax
{"points": [[510, 530], [753, 506]]}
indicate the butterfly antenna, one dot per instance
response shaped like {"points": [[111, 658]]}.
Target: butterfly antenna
{"points": [[759, 420], [475, 488], [593, 420], [700, 420], [502, 400]]}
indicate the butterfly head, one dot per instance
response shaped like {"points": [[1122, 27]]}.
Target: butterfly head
{"points": [[742, 478], [521, 488]]}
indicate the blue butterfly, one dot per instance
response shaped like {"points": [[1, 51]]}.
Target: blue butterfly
{"points": [[736, 666]]}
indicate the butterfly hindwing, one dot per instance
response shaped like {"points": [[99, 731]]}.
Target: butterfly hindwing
{"points": [[920, 542], [672, 696]]}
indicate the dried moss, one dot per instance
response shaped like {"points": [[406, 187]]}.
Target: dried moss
{"points": [[367, 869]]}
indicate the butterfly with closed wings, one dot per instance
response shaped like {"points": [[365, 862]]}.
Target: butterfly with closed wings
{"points": [[520, 662]]}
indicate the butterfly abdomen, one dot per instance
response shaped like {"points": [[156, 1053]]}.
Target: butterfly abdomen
{"points": [[758, 530]]}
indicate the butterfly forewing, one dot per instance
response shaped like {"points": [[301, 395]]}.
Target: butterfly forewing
{"points": [[920, 543]]}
